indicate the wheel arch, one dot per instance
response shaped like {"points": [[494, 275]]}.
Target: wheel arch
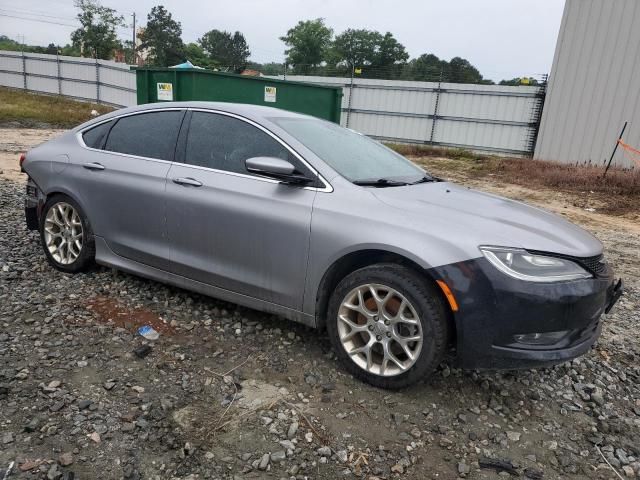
{"points": [[355, 260]]}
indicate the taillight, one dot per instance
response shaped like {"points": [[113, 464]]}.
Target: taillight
{"points": [[23, 156]]}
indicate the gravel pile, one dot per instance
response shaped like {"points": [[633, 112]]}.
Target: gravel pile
{"points": [[226, 392]]}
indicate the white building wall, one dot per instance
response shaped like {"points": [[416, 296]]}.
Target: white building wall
{"points": [[594, 86]]}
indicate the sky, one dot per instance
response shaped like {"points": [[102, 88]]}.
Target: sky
{"points": [[502, 38]]}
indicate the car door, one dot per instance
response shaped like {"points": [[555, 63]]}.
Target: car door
{"points": [[232, 229], [122, 183]]}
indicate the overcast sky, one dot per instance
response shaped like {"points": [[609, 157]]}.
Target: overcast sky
{"points": [[503, 38]]}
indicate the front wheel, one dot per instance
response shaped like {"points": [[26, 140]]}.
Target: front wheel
{"points": [[387, 325], [66, 235]]}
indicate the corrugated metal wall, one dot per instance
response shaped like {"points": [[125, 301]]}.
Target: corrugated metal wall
{"points": [[594, 85], [102, 81], [492, 118]]}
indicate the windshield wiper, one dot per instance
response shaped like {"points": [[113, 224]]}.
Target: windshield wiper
{"points": [[380, 182], [425, 179]]}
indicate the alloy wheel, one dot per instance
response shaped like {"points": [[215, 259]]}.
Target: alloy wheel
{"points": [[380, 329], [63, 233]]}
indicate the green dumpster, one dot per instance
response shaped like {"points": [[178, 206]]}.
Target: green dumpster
{"points": [[169, 84]]}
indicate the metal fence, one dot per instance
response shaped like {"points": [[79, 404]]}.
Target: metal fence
{"points": [[493, 118], [99, 81]]}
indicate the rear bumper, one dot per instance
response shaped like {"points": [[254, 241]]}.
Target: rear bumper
{"points": [[33, 202], [504, 323]]}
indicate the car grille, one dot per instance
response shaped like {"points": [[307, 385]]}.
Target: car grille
{"points": [[596, 265]]}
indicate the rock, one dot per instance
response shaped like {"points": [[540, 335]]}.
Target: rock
{"points": [[342, 455], [628, 472], [54, 473], [66, 459], [264, 462], [56, 407], [95, 437], [550, 445], [397, 468], [293, 429], [279, 456], [109, 385], [324, 451], [514, 436], [597, 397], [308, 437], [463, 468], [7, 438], [137, 389], [83, 404]]}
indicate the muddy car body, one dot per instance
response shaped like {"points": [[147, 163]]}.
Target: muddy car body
{"points": [[296, 216]]}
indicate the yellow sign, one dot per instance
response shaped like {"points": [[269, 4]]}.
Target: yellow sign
{"points": [[524, 81], [270, 94], [165, 92], [357, 71]]}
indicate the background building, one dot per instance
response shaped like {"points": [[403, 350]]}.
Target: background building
{"points": [[594, 86]]}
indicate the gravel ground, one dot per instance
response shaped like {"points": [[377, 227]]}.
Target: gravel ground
{"points": [[227, 392]]}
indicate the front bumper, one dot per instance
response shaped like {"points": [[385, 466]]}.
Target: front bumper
{"points": [[504, 323]]}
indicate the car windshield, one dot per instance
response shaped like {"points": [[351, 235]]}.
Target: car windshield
{"points": [[354, 156]]}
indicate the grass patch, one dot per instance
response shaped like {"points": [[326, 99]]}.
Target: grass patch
{"points": [[26, 109], [618, 192]]}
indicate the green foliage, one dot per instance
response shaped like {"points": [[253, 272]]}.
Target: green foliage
{"points": [[226, 49], [355, 47], [308, 44], [97, 34], [162, 38], [196, 55]]}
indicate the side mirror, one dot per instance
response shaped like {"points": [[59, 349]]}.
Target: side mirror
{"points": [[277, 168]]}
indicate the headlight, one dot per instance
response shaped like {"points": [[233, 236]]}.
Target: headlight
{"points": [[523, 265]]}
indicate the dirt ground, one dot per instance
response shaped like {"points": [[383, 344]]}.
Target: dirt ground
{"points": [[231, 393]]}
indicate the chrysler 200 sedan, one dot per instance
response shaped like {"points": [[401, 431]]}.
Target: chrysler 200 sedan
{"points": [[296, 216]]}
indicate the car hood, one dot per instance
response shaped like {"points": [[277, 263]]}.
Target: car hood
{"points": [[487, 219]]}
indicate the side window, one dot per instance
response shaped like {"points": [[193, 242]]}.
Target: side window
{"points": [[152, 134], [224, 143], [94, 138]]}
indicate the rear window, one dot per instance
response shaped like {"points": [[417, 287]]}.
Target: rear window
{"points": [[151, 135], [94, 137]]}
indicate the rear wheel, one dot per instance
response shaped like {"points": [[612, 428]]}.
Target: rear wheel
{"points": [[387, 325], [66, 235]]}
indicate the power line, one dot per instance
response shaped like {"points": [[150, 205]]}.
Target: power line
{"points": [[20, 11], [38, 20]]}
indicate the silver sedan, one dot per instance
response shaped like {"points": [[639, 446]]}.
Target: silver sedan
{"points": [[296, 216]]}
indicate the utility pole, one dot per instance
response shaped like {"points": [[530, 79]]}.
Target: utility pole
{"points": [[133, 47]]}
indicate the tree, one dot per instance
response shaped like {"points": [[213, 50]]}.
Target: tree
{"points": [[196, 55], [461, 71], [308, 43], [162, 38], [97, 34], [356, 47], [426, 68], [390, 52], [226, 49]]}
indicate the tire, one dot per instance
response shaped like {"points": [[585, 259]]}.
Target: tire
{"points": [[406, 290], [80, 259]]}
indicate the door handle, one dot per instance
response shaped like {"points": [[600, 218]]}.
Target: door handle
{"points": [[93, 166], [187, 181]]}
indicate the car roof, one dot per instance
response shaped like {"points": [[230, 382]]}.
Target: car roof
{"points": [[253, 112]]}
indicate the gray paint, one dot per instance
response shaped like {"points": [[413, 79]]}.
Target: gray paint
{"points": [[265, 244], [593, 87]]}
